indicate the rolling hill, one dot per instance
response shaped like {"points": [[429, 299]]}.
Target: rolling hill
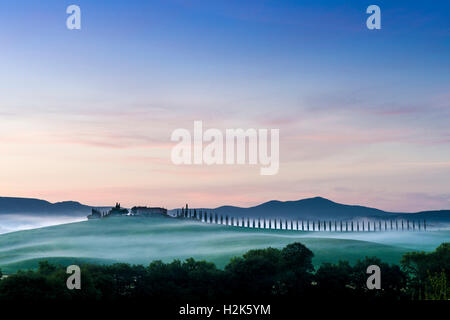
{"points": [[142, 240]]}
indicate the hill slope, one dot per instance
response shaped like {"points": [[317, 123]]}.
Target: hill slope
{"points": [[141, 240]]}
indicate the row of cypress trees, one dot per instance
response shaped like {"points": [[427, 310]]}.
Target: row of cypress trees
{"points": [[301, 225]]}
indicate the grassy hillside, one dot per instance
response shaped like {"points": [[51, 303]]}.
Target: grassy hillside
{"points": [[141, 240]]}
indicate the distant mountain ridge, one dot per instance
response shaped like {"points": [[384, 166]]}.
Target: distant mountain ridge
{"points": [[310, 208], [30, 206], [321, 208]]}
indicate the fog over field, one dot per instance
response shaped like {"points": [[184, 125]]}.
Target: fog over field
{"points": [[142, 240], [17, 222]]}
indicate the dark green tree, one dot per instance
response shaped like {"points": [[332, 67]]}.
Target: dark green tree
{"points": [[421, 266]]}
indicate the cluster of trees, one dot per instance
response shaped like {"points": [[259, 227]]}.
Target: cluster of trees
{"points": [[260, 275]]}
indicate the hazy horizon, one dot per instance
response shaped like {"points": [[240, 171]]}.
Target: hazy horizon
{"points": [[155, 203]]}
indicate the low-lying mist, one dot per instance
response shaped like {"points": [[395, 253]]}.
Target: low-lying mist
{"points": [[17, 222]]}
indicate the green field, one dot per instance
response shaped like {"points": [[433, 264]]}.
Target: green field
{"points": [[141, 240]]}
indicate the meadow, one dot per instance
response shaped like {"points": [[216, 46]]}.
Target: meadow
{"points": [[142, 240]]}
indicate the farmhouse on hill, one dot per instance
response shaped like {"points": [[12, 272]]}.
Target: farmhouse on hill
{"points": [[148, 211]]}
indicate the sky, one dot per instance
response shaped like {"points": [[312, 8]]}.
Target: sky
{"points": [[364, 115]]}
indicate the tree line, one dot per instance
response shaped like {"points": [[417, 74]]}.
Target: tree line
{"points": [[261, 275], [302, 225]]}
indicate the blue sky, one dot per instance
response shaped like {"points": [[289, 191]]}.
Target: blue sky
{"points": [[363, 114]]}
